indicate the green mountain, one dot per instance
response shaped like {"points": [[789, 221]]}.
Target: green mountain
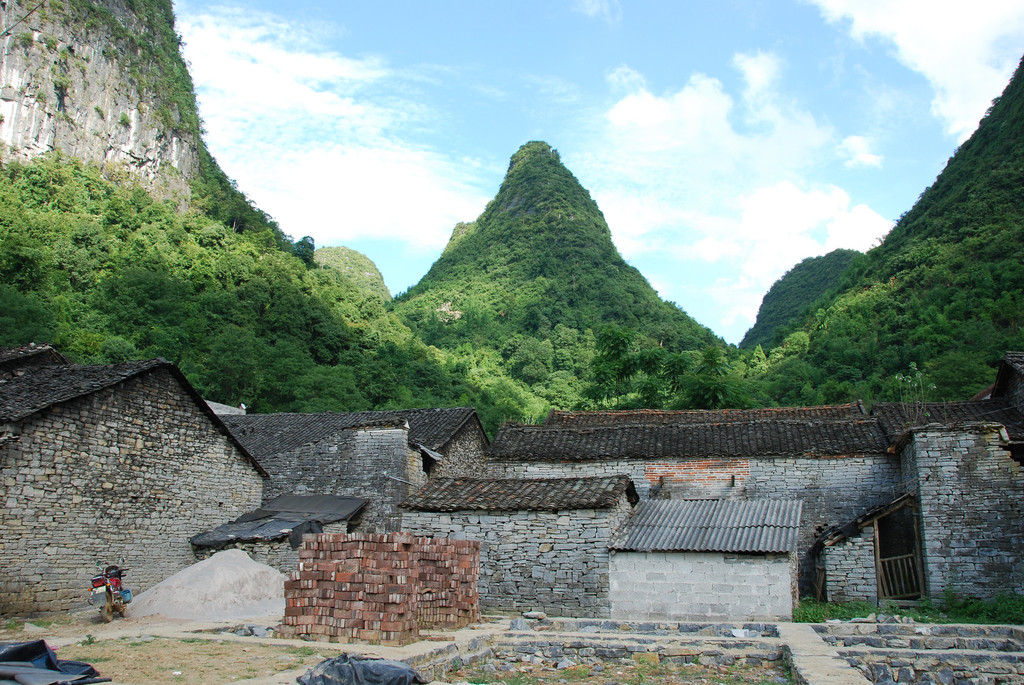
{"points": [[540, 256], [944, 292], [529, 283], [790, 296], [355, 266], [159, 254]]}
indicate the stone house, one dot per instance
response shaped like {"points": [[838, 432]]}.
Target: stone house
{"points": [[380, 456], [706, 560], [103, 462], [544, 541], [925, 491], [834, 459]]}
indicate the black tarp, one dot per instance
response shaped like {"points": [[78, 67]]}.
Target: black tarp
{"points": [[34, 663], [289, 516], [357, 670]]}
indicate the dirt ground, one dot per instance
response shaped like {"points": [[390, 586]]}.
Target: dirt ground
{"points": [[157, 651]]}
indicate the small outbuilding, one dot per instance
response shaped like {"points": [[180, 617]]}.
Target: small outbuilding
{"points": [[706, 560], [544, 540], [273, 533]]}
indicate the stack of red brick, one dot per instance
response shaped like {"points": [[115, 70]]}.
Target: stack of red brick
{"points": [[380, 588]]}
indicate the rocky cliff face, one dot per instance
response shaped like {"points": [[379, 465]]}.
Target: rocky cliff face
{"points": [[73, 78]]}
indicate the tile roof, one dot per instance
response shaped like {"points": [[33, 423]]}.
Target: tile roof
{"points": [[750, 439], [1012, 364], [583, 419], [270, 434], [12, 356], [46, 386], [897, 417], [542, 494], [282, 517], [753, 526]]}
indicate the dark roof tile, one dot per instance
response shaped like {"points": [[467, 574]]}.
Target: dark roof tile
{"points": [[544, 494], [45, 386], [896, 418], [271, 434], [653, 417], [731, 439]]}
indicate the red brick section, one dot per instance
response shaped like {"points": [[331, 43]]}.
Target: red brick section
{"points": [[699, 472], [380, 588]]}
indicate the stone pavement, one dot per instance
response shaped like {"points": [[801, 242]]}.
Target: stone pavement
{"points": [[813, 661]]}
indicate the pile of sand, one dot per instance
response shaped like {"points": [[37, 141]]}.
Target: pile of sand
{"points": [[227, 586]]}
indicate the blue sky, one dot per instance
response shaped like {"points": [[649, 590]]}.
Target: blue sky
{"points": [[723, 141]]}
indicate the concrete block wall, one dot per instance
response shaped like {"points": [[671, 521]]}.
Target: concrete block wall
{"points": [[130, 471], [972, 512], [850, 569], [367, 462], [555, 562], [369, 587], [702, 586]]}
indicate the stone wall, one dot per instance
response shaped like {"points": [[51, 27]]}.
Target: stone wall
{"points": [[369, 462], [850, 569], [972, 511], [464, 453], [555, 562], [834, 489], [130, 471], [702, 586]]}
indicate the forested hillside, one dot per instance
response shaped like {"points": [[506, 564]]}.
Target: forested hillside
{"points": [[944, 292], [790, 296], [533, 280]]}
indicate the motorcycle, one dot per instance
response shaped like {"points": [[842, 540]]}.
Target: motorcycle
{"points": [[109, 593]]}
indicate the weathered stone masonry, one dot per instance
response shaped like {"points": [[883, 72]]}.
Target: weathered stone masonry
{"points": [[972, 512], [131, 471], [353, 462], [549, 561], [832, 488]]}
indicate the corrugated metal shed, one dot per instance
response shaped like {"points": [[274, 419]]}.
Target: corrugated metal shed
{"points": [[753, 526]]}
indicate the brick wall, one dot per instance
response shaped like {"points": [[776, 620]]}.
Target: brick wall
{"points": [[972, 511], [380, 588], [555, 562], [361, 462], [131, 471], [850, 569], [702, 586], [698, 478]]}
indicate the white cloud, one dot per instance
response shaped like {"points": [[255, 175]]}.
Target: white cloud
{"points": [[313, 136], [608, 10], [722, 182], [966, 51], [857, 151]]}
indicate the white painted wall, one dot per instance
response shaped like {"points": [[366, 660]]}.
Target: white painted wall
{"points": [[702, 586]]}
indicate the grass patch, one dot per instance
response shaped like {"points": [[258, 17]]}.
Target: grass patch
{"points": [[952, 608]]}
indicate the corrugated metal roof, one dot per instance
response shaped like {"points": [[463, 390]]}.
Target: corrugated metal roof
{"points": [[710, 526]]}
